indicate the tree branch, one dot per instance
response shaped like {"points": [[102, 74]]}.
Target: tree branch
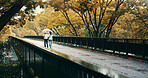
{"points": [[4, 19]]}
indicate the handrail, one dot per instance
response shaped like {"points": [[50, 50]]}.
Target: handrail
{"points": [[41, 37], [46, 64], [128, 47]]}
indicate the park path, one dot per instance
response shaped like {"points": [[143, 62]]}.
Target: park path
{"points": [[128, 67]]}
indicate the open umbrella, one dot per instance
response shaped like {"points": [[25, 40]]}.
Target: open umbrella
{"points": [[46, 31]]}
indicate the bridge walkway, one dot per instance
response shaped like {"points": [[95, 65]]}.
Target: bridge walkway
{"points": [[130, 67]]}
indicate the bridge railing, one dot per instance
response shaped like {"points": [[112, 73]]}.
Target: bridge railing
{"points": [[135, 47], [45, 64]]}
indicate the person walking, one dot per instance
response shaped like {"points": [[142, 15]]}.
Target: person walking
{"points": [[46, 36], [50, 39]]}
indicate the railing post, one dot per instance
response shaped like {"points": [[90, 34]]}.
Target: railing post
{"points": [[87, 42], [21, 49], [103, 44], [59, 39], [34, 61], [75, 41], [25, 54], [67, 40], [92, 47], [81, 43], [59, 68], [143, 51], [126, 42], [71, 41], [29, 57], [64, 40], [113, 45], [94, 40], [43, 64]]}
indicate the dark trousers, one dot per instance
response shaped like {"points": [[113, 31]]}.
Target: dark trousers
{"points": [[46, 43]]}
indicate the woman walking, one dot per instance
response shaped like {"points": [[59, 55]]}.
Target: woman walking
{"points": [[50, 39], [46, 36]]}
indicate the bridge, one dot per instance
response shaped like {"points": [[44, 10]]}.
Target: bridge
{"points": [[82, 57], [78, 57]]}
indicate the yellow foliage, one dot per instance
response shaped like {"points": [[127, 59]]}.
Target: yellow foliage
{"points": [[80, 11], [5, 32], [140, 33]]}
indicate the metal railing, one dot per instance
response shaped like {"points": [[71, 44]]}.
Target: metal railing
{"points": [[45, 64], [134, 47]]}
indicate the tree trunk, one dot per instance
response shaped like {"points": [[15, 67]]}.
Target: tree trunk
{"points": [[108, 32], [67, 18], [35, 31], [57, 32], [5, 18]]}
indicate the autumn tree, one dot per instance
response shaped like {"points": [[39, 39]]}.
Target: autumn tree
{"points": [[10, 10], [139, 10], [99, 16], [60, 26], [93, 18], [124, 27], [4, 33]]}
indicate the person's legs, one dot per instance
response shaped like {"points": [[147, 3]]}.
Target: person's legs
{"points": [[50, 43], [46, 43]]}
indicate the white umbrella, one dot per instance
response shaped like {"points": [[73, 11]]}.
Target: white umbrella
{"points": [[46, 31]]}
